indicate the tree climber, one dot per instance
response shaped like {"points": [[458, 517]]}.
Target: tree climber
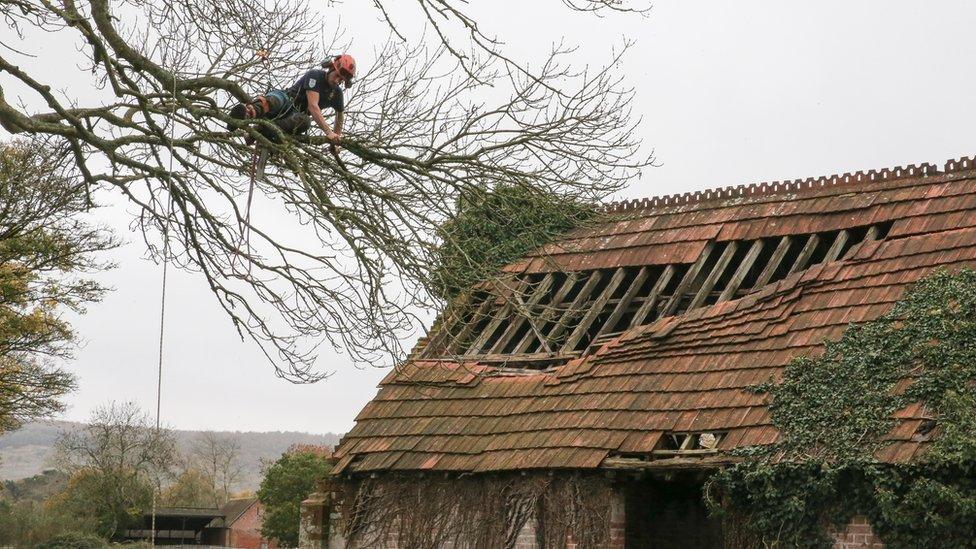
{"points": [[293, 109]]}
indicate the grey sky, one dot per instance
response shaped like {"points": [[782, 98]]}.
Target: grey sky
{"points": [[729, 93]]}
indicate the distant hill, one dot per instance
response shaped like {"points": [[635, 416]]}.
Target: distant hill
{"points": [[36, 488], [27, 451]]}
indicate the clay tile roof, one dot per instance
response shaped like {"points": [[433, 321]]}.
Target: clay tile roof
{"points": [[629, 392], [231, 511]]}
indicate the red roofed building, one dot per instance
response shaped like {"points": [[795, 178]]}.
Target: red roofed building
{"points": [[239, 526], [625, 351]]}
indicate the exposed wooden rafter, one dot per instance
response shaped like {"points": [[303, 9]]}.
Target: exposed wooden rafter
{"points": [[740, 274], [501, 315], [838, 246], [774, 262], [651, 300], [625, 301], [537, 324], [594, 310], [687, 280], [803, 259], [450, 321], [525, 322], [523, 312], [712, 278], [575, 308]]}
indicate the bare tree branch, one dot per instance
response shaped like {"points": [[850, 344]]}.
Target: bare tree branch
{"points": [[344, 258]]}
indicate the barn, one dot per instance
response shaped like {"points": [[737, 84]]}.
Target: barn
{"points": [[583, 398]]}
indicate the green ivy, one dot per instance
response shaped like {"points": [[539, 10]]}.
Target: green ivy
{"points": [[496, 226], [833, 412]]}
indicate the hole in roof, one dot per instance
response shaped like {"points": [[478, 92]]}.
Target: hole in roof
{"points": [[561, 315]]}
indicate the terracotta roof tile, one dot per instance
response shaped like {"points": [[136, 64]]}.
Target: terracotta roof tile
{"points": [[693, 371]]}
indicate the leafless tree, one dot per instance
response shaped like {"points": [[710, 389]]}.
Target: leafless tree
{"points": [[118, 438], [218, 458], [431, 120], [116, 461]]}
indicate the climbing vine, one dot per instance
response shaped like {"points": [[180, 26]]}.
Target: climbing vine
{"points": [[496, 226], [475, 511], [835, 412]]}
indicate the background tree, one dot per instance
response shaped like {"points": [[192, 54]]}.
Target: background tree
{"points": [[219, 461], [115, 462], [190, 488], [207, 473], [289, 480], [432, 120], [25, 520], [45, 249]]}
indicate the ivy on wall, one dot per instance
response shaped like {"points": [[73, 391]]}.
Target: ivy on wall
{"points": [[487, 510], [833, 413]]}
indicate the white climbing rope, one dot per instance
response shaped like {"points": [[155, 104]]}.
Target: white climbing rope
{"points": [[162, 302]]}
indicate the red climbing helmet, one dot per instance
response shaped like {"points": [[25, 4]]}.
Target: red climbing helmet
{"points": [[346, 66]]}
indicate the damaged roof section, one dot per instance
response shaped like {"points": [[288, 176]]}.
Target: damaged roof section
{"points": [[688, 303], [540, 320]]}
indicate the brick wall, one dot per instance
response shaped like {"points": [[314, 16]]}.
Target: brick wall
{"points": [[245, 532], [857, 535]]}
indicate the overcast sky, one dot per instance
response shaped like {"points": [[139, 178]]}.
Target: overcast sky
{"points": [[728, 93]]}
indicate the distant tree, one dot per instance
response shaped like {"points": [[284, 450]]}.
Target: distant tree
{"points": [[25, 520], [287, 482], [206, 474], [191, 488], [35, 488], [116, 462], [44, 247], [218, 459]]}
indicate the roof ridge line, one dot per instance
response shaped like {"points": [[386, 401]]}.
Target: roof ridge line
{"points": [[924, 169]]}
